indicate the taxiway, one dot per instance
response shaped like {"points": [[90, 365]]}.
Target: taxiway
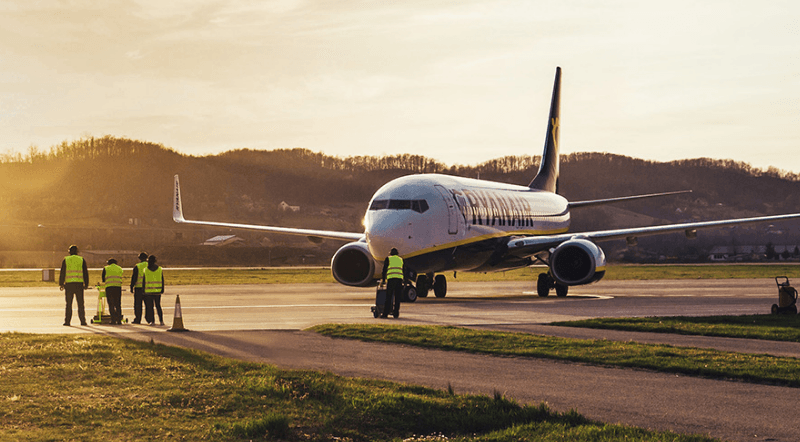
{"points": [[265, 323]]}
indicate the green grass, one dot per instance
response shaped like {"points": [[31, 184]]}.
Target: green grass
{"points": [[288, 275], [662, 358], [652, 272], [766, 327], [704, 271], [98, 388], [216, 276]]}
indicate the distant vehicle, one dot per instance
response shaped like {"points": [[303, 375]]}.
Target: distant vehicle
{"points": [[443, 223]]}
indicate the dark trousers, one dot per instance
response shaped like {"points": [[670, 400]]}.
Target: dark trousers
{"points": [[138, 301], [74, 289], [148, 309], [157, 304], [114, 297], [394, 289], [151, 301]]}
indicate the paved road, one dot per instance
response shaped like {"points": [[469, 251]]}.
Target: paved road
{"points": [[298, 306], [264, 323]]}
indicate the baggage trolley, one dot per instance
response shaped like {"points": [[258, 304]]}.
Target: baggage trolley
{"points": [[102, 317], [787, 297], [380, 301]]}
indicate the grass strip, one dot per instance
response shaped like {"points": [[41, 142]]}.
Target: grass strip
{"points": [[766, 327], [215, 276], [98, 388], [700, 271], [309, 275], [662, 358]]}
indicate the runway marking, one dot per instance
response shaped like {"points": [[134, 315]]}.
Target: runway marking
{"points": [[220, 307], [575, 296], [215, 307]]}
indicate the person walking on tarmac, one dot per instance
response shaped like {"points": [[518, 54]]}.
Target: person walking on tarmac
{"points": [[137, 288], [393, 273], [153, 289], [74, 278], [112, 277]]}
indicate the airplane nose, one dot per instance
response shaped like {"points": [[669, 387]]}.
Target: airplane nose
{"points": [[385, 229]]}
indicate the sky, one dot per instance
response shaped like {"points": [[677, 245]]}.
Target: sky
{"points": [[460, 81]]}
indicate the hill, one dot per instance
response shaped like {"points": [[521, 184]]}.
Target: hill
{"points": [[115, 194]]}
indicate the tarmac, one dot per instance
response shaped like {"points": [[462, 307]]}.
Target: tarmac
{"points": [[266, 324]]}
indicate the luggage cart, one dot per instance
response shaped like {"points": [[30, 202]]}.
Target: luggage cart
{"points": [[102, 317], [787, 297], [380, 300]]}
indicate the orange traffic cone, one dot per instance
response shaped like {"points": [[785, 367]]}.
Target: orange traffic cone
{"points": [[177, 321]]}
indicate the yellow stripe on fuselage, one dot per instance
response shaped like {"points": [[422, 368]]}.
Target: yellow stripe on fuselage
{"points": [[484, 238]]}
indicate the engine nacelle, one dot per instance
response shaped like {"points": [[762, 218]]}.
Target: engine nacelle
{"points": [[577, 261], [353, 265]]}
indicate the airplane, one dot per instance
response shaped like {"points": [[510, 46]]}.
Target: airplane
{"points": [[441, 223]]}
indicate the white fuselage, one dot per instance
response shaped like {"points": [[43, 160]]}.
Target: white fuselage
{"points": [[430, 217]]}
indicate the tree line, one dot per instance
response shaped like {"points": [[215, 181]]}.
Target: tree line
{"points": [[109, 182]]}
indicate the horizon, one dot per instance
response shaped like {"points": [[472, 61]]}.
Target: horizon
{"points": [[458, 83], [770, 170]]}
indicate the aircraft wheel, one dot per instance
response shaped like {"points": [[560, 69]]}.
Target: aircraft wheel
{"points": [[409, 293], [543, 285], [561, 290], [422, 286], [774, 309], [440, 286]]}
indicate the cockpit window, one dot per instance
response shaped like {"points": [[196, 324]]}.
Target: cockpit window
{"points": [[399, 204], [419, 206], [379, 204]]}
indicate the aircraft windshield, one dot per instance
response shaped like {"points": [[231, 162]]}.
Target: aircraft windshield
{"points": [[419, 206]]}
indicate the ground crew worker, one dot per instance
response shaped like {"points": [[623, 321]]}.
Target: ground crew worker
{"points": [[153, 289], [137, 288], [393, 273], [74, 278], [112, 277]]}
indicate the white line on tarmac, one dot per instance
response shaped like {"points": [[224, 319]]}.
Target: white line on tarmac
{"points": [[217, 307]]}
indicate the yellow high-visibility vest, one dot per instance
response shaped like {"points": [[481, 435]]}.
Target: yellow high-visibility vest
{"points": [[113, 275], [140, 274], [395, 269], [74, 269], [152, 281]]}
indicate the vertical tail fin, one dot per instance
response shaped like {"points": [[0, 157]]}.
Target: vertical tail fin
{"points": [[177, 206], [547, 177]]}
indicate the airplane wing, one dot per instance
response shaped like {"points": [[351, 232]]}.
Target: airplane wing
{"points": [[177, 216], [530, 245], [579, 204]]}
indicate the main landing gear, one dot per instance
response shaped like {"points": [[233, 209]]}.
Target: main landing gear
{"points": [[426, 282], [546, 282]]}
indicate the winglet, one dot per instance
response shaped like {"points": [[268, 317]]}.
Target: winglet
{"points": [[177, 207], [547, 177]]}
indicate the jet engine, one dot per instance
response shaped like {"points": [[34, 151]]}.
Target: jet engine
{"points": [[353, 265], [577, 261]]}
